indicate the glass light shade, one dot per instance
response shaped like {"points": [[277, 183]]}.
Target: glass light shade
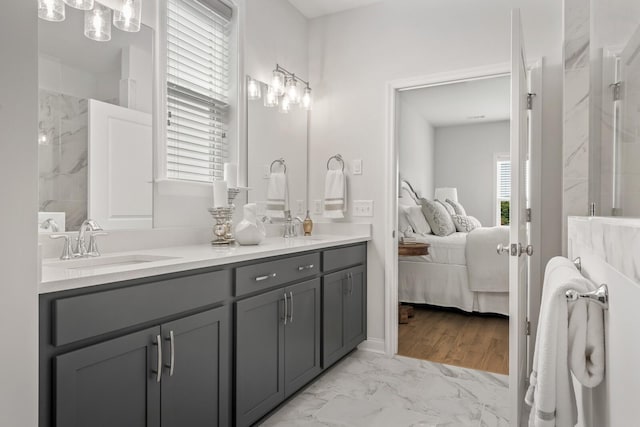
{"points": [[277, 82], [292, 90], [253, 89], [80, 4], [306, 100], [97, 23], [127, 18], [271, 97], [51, 10], [285, 104]]}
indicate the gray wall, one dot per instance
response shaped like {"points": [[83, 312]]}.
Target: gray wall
{"points": [[465, 159], [18, 210], [416, 150]]}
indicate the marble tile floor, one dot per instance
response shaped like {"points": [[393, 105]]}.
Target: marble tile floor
{"points": [[369, 389]]}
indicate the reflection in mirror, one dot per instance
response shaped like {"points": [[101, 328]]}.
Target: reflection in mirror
{"points": [[273, 135], [614, 171], [94, 126]]}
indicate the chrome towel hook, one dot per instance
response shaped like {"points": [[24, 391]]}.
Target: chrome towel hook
{"points": [[600, 296], [337, 157], [279, 161], [578, 263]]}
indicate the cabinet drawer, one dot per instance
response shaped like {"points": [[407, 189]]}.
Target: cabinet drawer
{"points": [[334, 259], [272, 273], [79, 317]]}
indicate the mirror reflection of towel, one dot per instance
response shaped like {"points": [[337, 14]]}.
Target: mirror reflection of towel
{"points": [[277, 195], [335, 194]]}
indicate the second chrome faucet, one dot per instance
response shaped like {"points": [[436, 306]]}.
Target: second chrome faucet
{"points": [[81, 249]]}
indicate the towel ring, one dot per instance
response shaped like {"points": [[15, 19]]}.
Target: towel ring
{"points": [[337, 157], [280, 162]]}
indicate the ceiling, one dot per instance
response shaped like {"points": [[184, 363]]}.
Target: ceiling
{"points": [[315, 8], [477, 101]]}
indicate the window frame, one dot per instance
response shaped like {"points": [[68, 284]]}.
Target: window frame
{"points": [[498, 157]]}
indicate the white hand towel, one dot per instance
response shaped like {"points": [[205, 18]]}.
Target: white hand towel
{"points": [[551, 395], [277, 195], [335, 194]]}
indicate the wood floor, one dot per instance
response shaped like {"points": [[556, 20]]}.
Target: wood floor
{"points": [[456, 338]]}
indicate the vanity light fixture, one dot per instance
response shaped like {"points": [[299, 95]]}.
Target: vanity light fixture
{"points": [[306, 99], [253, 89], [271, 97], [288, 81], [128, 17], [292, 90], [80, 4], [285, 104], [97, 23], [51, 10], [277, 81]]}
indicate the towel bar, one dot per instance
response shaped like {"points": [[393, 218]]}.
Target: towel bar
{"points": [[280, 161], [337, 157], [600, 296]]}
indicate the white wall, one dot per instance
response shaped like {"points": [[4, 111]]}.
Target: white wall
{"points": [[416, 149], [18, 210], [352, 56], [465, 159]]}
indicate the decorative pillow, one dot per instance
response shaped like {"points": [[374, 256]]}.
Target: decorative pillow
{"points": [[457, 207], [447, 206], [465, 223], [404, 226], [417, 220], [438, 218]]}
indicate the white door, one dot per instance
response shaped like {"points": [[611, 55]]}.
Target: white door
{"points": [[120, 166], [518, 286]]}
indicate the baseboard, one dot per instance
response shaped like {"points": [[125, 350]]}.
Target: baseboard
{"points": [[375, 345]]}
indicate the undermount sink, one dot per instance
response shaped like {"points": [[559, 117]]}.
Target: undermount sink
{"points": [[107, 262]]}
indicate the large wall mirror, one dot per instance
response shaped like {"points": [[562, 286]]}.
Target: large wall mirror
{"points": [[95, 126], [273, 135], [614, 126]]}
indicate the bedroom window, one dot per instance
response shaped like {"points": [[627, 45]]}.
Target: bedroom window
{"points": [[503, 190], [198, 45]]}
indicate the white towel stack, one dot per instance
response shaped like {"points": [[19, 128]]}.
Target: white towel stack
{"points": [[570, 335], [277, 195], [335, 194]]}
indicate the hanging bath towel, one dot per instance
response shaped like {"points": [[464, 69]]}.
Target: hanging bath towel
{"points": [[277, 195], [335, 194]]}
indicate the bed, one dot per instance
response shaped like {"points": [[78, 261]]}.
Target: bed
{"points": [[462, 270]]}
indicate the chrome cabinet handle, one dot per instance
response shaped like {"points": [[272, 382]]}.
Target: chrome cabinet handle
{"points": [[305, 267], [158, 372], [285, 309], [268, 276], [291, 308], [350, 283], [172, 354]]}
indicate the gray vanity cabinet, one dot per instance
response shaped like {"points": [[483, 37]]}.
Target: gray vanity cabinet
{"points": [[277, 347], [344, 312]]}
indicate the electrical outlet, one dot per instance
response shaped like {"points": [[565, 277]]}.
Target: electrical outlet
{"points": [[317, 207], [357, 167], [299, 207], [363, 208], [266, 172]]}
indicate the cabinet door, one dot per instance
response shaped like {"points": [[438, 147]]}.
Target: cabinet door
{"points": [[333, 299], [110, 384], [302, 335], [259, 355], [355, 324], [195, 381]]}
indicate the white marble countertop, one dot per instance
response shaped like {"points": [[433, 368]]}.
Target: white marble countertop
{"points": [[55, 277]]}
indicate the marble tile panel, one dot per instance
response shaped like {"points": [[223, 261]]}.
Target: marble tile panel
{"points": [[576, 33], [576, 196]]}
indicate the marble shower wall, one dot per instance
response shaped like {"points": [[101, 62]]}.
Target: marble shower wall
{"points": [[575, 147], [62, 145]]}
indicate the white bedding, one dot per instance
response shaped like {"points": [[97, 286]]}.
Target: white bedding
{"points": [[444, 249]]}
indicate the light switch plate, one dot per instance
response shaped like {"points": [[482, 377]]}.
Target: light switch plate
{"points": [[357, 167], [317, 206], [363, 208]]}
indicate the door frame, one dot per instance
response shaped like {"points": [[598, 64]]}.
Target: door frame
{"points": [[392, 180]]}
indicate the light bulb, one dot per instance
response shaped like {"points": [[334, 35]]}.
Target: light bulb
{"points": [[277, 82], [97, 23], [253, 89], [80, 4], [51, 10], [285, 104], [271, 97], [292, 90], [306, 99], [128, 17]]}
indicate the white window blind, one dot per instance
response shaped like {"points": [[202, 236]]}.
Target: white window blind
{"points": [[197, 88], [503, 171]]}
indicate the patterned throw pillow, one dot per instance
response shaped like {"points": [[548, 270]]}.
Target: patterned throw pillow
{"points": [[465, 223], [438, 218], [457, 207], [447, 206]]}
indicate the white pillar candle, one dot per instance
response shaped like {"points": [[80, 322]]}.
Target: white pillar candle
{"points": [[220, 196], [231, 174]]}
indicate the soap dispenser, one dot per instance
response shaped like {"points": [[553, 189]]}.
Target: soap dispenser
{"points": [[307, 225]]}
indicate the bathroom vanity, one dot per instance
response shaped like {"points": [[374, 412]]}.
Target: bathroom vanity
{"points": [[206, 337]]}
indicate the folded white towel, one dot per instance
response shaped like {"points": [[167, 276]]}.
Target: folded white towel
{"points": [[277, 195], [335, 194], [551, 395]]}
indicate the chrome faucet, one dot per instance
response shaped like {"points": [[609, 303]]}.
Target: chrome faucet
{"points": [[50, 223], [290, 227], [81, 244]]}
